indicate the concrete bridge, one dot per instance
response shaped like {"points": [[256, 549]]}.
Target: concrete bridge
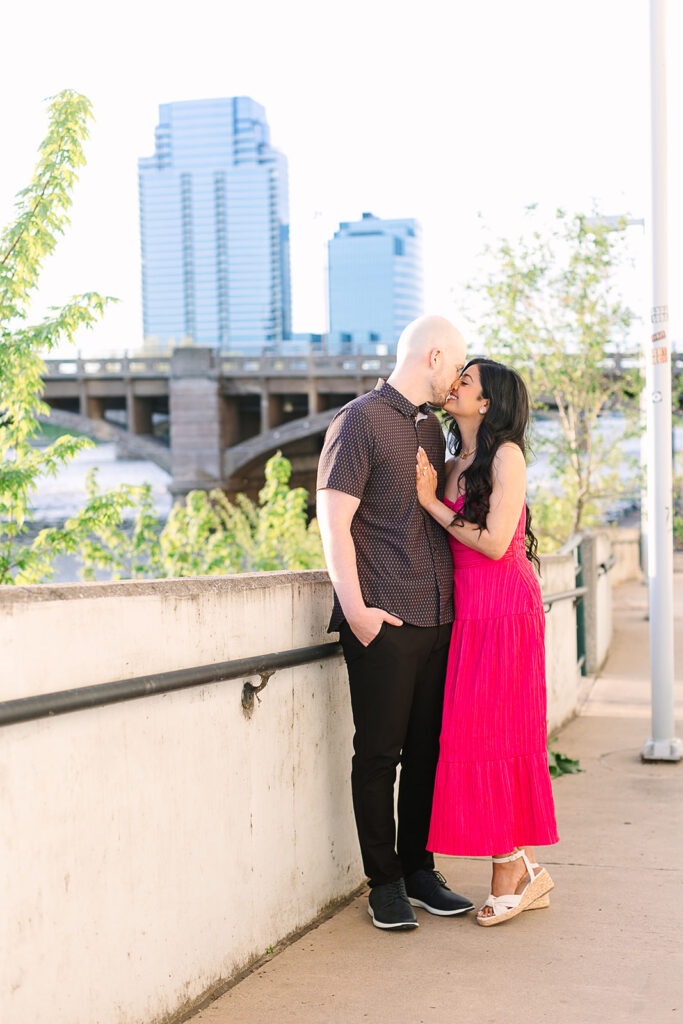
{"points": [[226, 414]]}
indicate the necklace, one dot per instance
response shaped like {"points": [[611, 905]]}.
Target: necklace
{"points": [[466, 455]]}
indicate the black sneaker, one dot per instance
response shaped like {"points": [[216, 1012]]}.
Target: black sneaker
{"points": [[428, 889], [389, 906]]}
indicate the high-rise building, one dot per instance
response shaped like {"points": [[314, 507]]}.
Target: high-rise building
{"points": [[375, 281], [214, 227]]}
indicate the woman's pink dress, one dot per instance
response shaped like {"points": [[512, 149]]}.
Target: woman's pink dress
{"points": [[493, 790]]}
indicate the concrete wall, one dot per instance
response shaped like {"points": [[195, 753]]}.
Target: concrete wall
{"points": [[152, 849], [562, 673], [625, 541], [596, 549]]}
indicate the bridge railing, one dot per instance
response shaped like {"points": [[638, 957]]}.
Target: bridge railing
{"points": [[310, 366], [226, 365], [113, 366], [272, 364]]}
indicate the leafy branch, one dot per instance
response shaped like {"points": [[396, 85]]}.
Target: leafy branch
{"points": [[42, 216], [205, 535], [548, 305]]}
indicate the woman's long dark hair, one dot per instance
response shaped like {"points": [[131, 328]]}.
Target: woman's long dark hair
{"points": [[507, 419]]}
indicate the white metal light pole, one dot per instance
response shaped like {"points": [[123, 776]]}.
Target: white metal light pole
{"points": [[663, 745]]}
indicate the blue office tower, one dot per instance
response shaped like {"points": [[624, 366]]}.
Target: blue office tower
{"points": [[214, 227], [375, 280]]}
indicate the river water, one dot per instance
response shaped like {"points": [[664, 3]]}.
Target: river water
{"points": [[56, 498]]}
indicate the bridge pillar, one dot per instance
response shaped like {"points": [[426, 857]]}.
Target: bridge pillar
{"points": [[200, 420], [89, 405], [231, 421], [138, 412], [94, 407], [315, 399], [271, 409]]}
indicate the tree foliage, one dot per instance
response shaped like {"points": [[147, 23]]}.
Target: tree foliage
{"points": [[206, 534], [41, 216], [550, 307]]}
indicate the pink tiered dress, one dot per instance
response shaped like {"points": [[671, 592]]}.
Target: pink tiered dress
{"points": [[493, 790]]}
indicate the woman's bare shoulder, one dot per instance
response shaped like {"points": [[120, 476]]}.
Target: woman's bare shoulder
{"points": [[509, 463], [509, 453]]}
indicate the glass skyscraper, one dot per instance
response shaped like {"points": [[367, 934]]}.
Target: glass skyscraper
{"points": [[375, 281], [214, 228]]}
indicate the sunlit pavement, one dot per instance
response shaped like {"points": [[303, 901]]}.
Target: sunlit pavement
{"points": [[609, 948]]}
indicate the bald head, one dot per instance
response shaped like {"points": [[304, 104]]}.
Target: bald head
{"points": [[429, 357], [427, 333]]}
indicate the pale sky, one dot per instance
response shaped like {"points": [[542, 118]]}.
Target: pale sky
{"points": [[434, 110]]}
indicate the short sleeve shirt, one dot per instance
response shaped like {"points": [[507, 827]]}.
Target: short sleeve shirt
{"points": [[403, 557]]}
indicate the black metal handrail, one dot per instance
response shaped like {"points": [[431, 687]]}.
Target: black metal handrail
{"points": [[46, 705], [61, 702]]}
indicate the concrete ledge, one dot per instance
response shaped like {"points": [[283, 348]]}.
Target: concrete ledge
{"points": [[184, 586]]}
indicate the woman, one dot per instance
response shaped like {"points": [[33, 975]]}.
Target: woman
{"points": [[492, 794]]}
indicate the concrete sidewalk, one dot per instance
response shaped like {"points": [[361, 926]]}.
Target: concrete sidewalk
{"points": [[609, 948]]}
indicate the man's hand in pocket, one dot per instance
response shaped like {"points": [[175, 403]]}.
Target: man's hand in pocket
{"points": [[366, 625]]}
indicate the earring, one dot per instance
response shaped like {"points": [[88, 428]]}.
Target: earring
{"points": [[482, 411]]}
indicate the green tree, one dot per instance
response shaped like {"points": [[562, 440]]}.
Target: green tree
{"points": [[549, 306], [41, 216], [207, 534]]}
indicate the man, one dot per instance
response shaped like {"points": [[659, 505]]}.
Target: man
{"points": [[392, 572]]}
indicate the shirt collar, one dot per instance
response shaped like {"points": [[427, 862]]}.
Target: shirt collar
{"points": [[399, 401]]}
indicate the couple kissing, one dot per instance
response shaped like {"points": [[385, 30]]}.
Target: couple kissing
{"points": [[442, 626]]}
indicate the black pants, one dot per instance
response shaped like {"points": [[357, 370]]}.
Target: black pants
{"points": [[397, 686]]}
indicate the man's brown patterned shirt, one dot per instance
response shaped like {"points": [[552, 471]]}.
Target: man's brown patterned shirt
{"points": [[403, 557]]}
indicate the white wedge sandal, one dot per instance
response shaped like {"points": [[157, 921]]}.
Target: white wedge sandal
{"points": [[542, 901], [534, 896]]}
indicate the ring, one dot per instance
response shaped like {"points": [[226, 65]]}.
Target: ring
{"points": [[423, 472]]}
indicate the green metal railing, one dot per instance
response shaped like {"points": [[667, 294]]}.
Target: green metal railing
{"points": [[573, 547]]}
